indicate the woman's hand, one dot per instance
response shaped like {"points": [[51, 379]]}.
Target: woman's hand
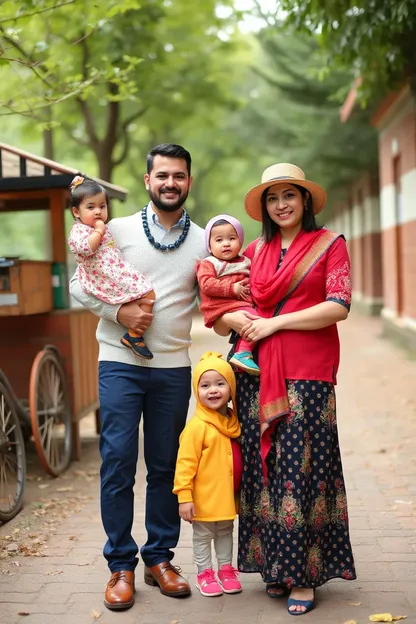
{"points": [[187, 511], [259, 328], [237, 320]]}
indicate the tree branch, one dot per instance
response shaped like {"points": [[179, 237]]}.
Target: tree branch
{"points": [[262, 15], [133, 117], [85, 109], [22, 15], [30, 62], [84, 36], [113, 111], [125, 150], [49, 101], [70, 133], [29, 113], [89, 123]]}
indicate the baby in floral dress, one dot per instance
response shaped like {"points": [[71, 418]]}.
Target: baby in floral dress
{"points": [[102, 271]]}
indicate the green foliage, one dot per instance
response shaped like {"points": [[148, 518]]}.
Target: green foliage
{"points": [[160, 73], [306, 114], [374, 38], [93, 68]]}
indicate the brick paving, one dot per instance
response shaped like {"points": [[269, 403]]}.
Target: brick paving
{"points": [[377, 426]]}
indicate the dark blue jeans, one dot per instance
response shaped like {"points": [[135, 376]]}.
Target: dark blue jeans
{"points": [[162, 395]]}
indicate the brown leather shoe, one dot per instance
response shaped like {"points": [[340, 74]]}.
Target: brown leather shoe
{"points": [[168, 578], [120, 590]]}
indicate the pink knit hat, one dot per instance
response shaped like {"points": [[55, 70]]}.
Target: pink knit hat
{"points": [[224, 217]]}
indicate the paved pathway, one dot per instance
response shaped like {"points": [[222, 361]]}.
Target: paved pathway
{"points": [[377, 422]]}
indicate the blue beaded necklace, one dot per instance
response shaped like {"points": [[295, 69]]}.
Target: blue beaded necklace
{"points": [[171, 246]]}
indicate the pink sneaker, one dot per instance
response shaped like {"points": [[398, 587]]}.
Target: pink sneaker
{"points": [[208, 584], [227, 576]]}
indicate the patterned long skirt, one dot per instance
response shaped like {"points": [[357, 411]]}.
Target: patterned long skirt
{"points": [[295, 529]]}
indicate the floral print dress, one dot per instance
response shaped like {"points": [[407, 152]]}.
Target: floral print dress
{"points": [[104, 273], [293, 530]]}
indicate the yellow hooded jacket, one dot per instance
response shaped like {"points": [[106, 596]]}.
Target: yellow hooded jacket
{"points": [[204, 467]]}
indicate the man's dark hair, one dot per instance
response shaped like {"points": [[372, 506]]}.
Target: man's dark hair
{"points": [[270, 228], [171, 151]]}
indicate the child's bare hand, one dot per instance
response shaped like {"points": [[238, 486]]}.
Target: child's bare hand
{"points": [[100, 226], [187, 511], [242, 289]]}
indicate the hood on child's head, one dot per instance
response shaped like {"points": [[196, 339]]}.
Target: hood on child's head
{"points": [[211, 360], [223, 217]]}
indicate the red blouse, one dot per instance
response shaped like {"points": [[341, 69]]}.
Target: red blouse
{"points": [[315, 354]]}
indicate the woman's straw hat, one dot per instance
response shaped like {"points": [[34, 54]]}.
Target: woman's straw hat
{"points": [[282, 172]]}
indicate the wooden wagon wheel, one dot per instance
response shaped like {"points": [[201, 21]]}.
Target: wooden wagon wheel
{"points": [[49, 411], [12, 456]]}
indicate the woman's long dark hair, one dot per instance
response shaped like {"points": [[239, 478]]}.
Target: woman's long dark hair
{"points": [[270, 228]]}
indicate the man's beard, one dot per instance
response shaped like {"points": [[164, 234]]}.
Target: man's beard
{"points": [[171, 207]]}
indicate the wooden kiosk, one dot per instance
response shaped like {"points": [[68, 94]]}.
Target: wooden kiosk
{"points": [[41, 335]]}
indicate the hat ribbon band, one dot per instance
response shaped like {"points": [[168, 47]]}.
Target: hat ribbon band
{"points": [[282, 178]]}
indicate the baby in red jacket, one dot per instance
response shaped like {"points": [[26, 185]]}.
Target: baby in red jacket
{"points": [[223, 279]]}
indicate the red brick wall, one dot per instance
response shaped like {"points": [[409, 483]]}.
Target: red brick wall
{"points": [[397, 153], [404, 132]]}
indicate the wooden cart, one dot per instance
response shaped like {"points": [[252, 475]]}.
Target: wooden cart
{"points": [[48, 350]]}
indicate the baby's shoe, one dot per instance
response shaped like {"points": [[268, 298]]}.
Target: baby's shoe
{"points": [[228, 579], [207, 583], [244, 360], [138, 345]]}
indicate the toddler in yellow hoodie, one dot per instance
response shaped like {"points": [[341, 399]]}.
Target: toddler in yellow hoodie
{"points": [[204, 477]]}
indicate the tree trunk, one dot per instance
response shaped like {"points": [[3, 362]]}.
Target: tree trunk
{"points": [[105, 163], [48, 146]]}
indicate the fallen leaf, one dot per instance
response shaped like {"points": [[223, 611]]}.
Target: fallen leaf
{"points": [[174, 621], [355, 604], [351, 622], [386, 617], [23, 613], [65, 489], [43, 486], [55, 572], [96, 614], [72, 537]]}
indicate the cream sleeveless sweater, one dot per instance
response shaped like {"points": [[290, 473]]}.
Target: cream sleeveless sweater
{"points": [[172, 275]]}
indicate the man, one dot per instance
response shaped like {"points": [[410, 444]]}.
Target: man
{"points": [[164, 245]]}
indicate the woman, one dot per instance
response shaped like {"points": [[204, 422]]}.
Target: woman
{"points": [[293, 511]]}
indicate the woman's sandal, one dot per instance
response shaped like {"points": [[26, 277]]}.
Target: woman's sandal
{"points": [[272, 594], [308, 604]]}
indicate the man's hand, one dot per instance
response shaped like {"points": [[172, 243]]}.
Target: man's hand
{"points": [[242, 289], [100, 227], [187, 511], [131, 316]]}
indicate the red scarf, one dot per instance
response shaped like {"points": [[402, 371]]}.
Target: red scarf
{"points": [[271, 287]]}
